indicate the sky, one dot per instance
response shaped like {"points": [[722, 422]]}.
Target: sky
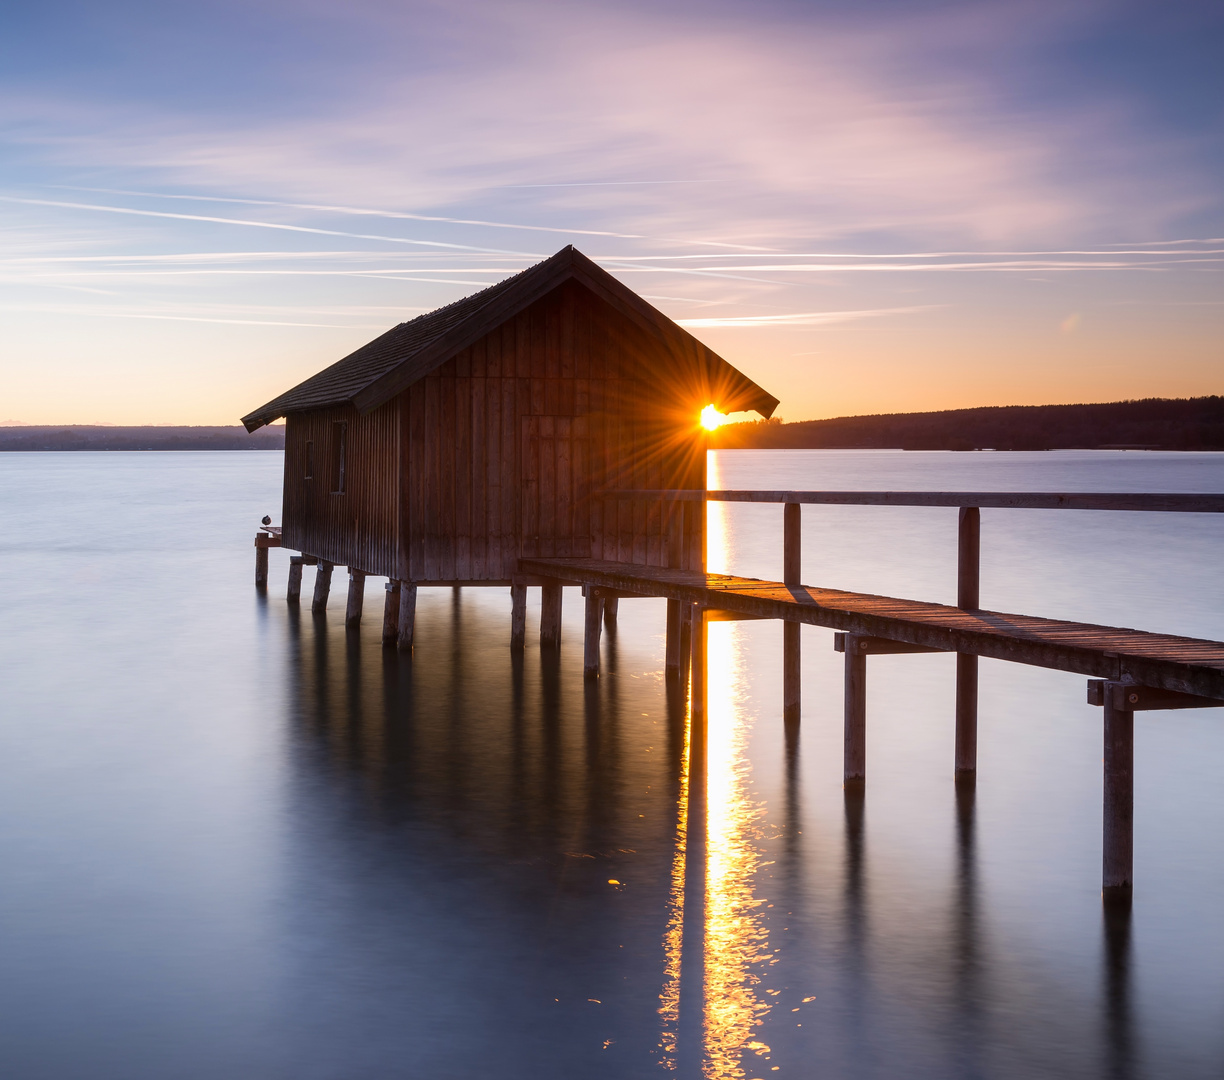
{"points": [[869, 206]]}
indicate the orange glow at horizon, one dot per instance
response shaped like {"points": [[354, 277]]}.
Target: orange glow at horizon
{"points": [[711, 418]]}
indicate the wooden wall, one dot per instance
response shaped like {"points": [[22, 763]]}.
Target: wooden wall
{"points": [[358, 526], [503, 452], [508, 444]]}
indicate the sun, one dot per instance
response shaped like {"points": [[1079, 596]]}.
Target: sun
{"points": [[711, 418]]}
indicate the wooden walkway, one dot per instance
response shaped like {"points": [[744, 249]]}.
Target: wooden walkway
{"points": [[1161, 661]]}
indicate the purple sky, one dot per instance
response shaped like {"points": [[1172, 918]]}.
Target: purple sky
{"points": [[867, 207]]}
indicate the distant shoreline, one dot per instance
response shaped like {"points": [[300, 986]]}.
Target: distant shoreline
{"points": [[97, 437], [1189, 424], [1170, 424]]}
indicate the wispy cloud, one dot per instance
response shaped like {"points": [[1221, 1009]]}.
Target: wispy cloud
{"points": [[807, 318], [401, 215], [247, 223], [761, 167]]}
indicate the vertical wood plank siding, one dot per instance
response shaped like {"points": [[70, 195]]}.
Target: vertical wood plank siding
{"points": [[359, 526], [501, 452]]}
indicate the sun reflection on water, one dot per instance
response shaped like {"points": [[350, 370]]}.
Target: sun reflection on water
{"points": [[736, 939]]}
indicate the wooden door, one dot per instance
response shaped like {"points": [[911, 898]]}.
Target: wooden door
{"points": [[556, 488]]}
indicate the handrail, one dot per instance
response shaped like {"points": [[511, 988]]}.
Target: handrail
{"points": [[1178, 503]]}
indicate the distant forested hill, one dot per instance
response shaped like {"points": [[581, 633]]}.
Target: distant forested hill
{"points": [[1150, 424], [85, 437]]}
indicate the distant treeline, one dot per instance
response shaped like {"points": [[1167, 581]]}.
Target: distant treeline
{"points": [[1150, 424], [83, 437]]}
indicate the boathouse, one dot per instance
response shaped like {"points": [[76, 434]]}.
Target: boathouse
{"points": [[546, 431], [494, 429]]}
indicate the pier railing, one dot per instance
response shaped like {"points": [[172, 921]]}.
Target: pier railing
{"points": [[1129, 670], [1010, 500]]}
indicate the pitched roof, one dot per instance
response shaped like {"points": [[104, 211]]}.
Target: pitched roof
{"points": [[391, 363]]}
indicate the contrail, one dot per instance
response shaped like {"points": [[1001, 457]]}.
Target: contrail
{"points": [[808, 318], [195, 318], [263, 225], [404, 215]]}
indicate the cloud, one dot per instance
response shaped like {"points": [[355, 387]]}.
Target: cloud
{"points": [[808, 318], [811, 127]]}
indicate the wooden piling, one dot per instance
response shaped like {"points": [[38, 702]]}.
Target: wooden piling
{"points": [[590, 643], [855, 745], [965, 763], [791, 672], [518, 616], [792, 550], [1119, 795], [698, 637], [686, 642], [968, 580], [792, 570], [550, 615], [672, 651], [356, 598], [293, 594], [261, 561], [611, 608], [407, 616], [322, 588], [390, 628]]}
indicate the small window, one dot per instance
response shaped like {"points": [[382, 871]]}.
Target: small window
{"points": [[339, 437], [309, 459]]}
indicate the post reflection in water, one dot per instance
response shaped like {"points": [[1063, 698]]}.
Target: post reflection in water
{"points": [[549, 792], [1119, 1040], [968, 982]]}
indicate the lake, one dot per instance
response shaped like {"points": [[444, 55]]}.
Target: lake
{"points": [[239, 841]]}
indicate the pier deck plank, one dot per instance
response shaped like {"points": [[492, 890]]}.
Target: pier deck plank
{"points": [[1166, 661]]}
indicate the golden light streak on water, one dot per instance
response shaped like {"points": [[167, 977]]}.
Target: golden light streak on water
{"points": [[673, 936], [736, 940]]}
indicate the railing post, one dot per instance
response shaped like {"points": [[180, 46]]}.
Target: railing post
{"points": [[1118, 818], [968, 578], [792, 522]]}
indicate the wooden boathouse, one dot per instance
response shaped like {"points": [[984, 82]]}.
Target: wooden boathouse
{"points": [[488, 431], [545, 431]]}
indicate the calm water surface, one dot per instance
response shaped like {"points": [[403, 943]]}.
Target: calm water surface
{"points": [[239, 842]]}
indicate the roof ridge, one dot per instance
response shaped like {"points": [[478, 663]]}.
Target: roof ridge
{"points": [[409, 350]]}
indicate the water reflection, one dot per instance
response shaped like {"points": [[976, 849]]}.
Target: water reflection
{"points": [[590, 812], [969, 985], [1119, 1028], [736, 939]]}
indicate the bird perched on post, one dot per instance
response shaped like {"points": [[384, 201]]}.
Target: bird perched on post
{"points": [[266, 520]]}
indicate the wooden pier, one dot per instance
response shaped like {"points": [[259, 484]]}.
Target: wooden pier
{"points": [[545, 431], [1130, 670]]}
